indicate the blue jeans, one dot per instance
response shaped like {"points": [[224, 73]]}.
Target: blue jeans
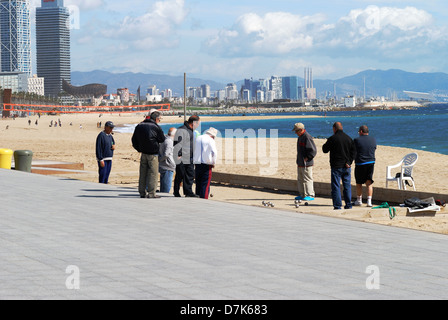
{"points": [[344, 174], [166, 179]]}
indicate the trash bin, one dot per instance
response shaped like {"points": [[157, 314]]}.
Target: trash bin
{"points": [[23, 160], [5, 158]]}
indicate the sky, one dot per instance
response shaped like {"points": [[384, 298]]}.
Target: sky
{"points": [[228, 41]]}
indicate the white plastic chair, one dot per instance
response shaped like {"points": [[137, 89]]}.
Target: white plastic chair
{"points": [[407, 165]]}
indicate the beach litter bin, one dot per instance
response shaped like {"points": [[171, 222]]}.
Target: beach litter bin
{"points": [[5, 158], [23, 160]]}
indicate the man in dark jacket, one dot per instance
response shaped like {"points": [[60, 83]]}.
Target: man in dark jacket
{"points": [[105, 146], [306, 151], [183, 155], [146, 139], [342, 153]]}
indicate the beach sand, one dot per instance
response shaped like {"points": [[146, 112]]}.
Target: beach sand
{"points": [[76, 143]]}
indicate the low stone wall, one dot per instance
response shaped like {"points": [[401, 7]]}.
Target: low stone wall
{"points": [[322, 189]]}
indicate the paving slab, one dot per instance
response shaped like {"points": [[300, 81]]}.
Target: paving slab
{"points": [[68, 239]]}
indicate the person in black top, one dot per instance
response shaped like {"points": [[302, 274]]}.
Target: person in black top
{"points": [[342, 153], [146, 139]]}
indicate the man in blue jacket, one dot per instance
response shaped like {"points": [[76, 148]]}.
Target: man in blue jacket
{"points": [[105, 146]]}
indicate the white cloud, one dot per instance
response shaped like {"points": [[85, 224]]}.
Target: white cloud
{"points": [[274, 33], [154, 29], [374, 31]]}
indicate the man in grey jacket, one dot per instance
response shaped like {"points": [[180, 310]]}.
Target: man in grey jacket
{"points": [[183, 153], [306, 151], [167, 166]]}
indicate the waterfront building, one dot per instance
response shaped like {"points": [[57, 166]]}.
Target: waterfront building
{"points": [[36, 85], [15, 36], [231, 92], [247, 97], [270, 96], [350, 101], [205, 90], [16, 81], [53, 45], [290, 88], [220, 95], [152, 90], [275, 84], [310, 91], [124, 94], [260, 96]]}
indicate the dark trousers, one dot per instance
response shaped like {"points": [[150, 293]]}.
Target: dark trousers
{"points": [[184, 175], [344, 174], [104, 173], [203, 176]]}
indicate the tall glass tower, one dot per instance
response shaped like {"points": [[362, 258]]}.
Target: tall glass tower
{"points": [[53, 45], [15, 36]]}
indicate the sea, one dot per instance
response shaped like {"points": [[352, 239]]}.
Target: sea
{"points": [[424, 128]]}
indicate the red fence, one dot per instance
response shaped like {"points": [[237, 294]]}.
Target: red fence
{"points": [[28, 108]]}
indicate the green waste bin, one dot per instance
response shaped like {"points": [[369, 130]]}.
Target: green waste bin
{"points": [[5, 158], [23, 160]]}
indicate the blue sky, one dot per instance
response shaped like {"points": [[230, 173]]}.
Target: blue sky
{"points": [[231, 40]]}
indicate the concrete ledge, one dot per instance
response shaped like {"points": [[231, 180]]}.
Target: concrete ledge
{"points": [[323, 189]]}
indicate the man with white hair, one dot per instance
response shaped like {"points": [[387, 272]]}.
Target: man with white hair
{"points": [[204, 158], [167, 166]]}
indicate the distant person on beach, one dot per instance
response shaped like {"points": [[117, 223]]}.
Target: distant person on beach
{"points": [[183, 153], [306, 151], [105, 146], [204, 157], [146, 139], [342, 153], [167, 166], [365, 164]]}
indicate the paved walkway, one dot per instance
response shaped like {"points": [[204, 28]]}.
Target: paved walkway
{"points": [[54, 231]]}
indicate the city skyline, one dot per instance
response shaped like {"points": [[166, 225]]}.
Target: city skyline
{"points": [[231, 40]]}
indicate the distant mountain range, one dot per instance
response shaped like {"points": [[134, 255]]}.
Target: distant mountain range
{"points": [[390, 83]]}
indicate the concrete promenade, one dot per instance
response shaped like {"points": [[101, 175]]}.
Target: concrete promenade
{"points": [[56, 231]]}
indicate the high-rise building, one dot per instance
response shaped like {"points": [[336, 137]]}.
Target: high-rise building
{"points": [[310, 91], [275, 84], [290, 87], [15, 36], [53, 45]]}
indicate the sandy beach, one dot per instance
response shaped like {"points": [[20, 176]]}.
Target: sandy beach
{"points": [[76, 143]]}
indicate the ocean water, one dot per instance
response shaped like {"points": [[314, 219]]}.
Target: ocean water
{"points": [[422, 129]]}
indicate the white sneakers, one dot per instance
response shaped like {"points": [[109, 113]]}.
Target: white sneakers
{"points": [[358, 203]]}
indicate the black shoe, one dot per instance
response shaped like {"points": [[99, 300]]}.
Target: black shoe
{"points": [[192, 196], [177, 195]]}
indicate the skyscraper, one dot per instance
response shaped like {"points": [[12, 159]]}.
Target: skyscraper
{"points": [[15, 37], [290, 87], [53, 45]]}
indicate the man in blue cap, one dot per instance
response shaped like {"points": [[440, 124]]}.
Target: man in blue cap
{"points": [[105, 146]]}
